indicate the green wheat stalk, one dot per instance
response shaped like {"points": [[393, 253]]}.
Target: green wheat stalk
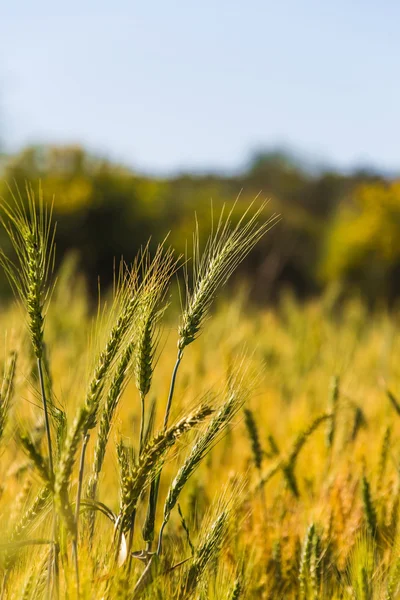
{"points": [[225, 249]]}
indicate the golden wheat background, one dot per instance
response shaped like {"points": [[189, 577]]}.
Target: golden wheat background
{"points": [[296, 496]]}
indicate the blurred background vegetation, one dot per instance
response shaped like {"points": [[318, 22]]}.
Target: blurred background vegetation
{"points": [[338, 230]]}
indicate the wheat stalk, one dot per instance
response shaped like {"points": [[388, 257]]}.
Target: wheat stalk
{"points": [[129, 296], [226, 248], [7, 390], [149, 315], [31, 233]]}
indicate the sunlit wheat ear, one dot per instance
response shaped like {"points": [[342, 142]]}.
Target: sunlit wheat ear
{"points": [[253, 434], [359, 421], [117, 386], [138, 285], [31, 515], [237, 590], [149, 313], [7, 390], [316, 564], [65, 466], [305, 435], [277, 561], [20, 501], [369, 507], [305, 564], [37, 589], [29, 585], [362, 568], [289, 465], [202, 446], [131, 291], [273, 448], [208, 549], [226, 248], [35, 582], [29, 226], [28, 223], [37, 459], [125, 473], [152, 456], [393, 581]]}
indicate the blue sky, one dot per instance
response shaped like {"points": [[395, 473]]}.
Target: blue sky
{"points": [[172, 85]]}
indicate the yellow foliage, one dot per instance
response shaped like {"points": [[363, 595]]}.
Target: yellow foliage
{"points": [[71, 195], [365, 232]]}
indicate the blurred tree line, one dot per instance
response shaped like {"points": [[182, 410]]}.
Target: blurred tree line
{"points": [[335, 228]]}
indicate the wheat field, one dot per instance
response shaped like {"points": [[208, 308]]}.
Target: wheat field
{"points": [[182, 443]]}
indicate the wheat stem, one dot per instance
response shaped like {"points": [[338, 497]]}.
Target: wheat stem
{"points": [[76, 565], [155, 484], [46, 414], [142, 421], [53, 556], [172, 388], [80, 479]]}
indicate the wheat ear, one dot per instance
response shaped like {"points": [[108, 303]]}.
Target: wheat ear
{"points": [[7, 390], [114, 394], [29, 226], [152, 456], [205, 441], [208, 549]]}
